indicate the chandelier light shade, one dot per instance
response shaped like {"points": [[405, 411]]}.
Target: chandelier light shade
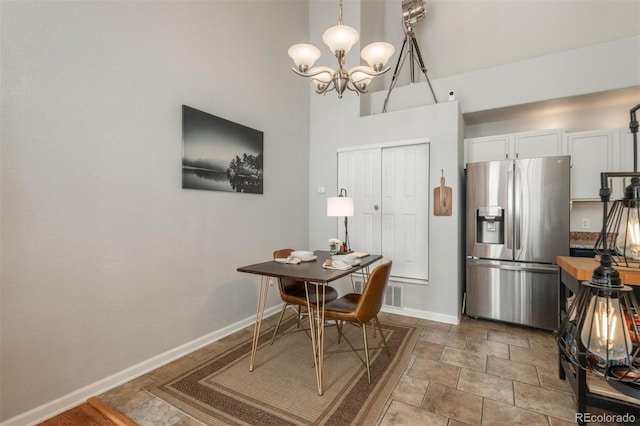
{"points": [[340, 39], [304, 55]]}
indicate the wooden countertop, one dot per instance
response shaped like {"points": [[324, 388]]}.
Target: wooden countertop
{"points": [[581, 268]]}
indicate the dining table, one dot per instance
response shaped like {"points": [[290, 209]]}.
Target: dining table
{"points": [[312, 273]]}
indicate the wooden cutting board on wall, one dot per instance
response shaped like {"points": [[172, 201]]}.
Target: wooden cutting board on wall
{"points": [[442, 199]]}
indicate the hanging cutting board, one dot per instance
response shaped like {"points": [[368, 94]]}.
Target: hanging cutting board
{"points": [[442, 199]]}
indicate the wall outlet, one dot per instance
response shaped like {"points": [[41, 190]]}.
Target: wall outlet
{"points": [[586, 224]]}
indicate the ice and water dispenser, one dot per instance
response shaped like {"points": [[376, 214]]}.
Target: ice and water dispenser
{"points": [[490, 225]]}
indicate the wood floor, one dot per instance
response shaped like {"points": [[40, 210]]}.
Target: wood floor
{"points": [[94, 412]]}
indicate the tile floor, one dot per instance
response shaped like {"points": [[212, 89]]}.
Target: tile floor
{"points": [[477, 373]]}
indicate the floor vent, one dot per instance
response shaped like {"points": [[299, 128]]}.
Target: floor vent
{"points": [[392, 295]]}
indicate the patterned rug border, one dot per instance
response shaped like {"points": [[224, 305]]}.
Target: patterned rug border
{"points": [[362, 404]]}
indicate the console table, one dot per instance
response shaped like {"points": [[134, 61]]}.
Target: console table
{"points": [[590, 390]]}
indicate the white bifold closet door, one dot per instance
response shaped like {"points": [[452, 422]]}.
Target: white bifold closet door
{"points": [[390, 188]]}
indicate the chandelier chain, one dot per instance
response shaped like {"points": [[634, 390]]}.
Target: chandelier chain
{"points": [[340, 13]]}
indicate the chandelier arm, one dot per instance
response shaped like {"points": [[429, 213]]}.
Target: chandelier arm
{"points": [[354, 88], [307, 74], [329, 87], [370, 73]]}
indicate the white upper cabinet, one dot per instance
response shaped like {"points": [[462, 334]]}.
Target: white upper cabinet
{"points": [[598, 151], [591, 153], [545, 143], [488, 148]]}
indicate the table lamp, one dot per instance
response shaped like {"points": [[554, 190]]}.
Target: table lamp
{"points": [[341, 206]]}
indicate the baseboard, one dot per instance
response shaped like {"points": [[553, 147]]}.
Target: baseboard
{"points": [[77, 397], [415, 313]]}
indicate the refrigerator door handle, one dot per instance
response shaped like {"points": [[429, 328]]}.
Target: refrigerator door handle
{"points": [[509, 221], [517, 206], [550, 269]]}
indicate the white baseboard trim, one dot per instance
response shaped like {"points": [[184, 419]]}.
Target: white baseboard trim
{"points": [[79, 396], [433, 316]]}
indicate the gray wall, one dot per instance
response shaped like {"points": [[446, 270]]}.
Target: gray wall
{"points": [[106, 261]]}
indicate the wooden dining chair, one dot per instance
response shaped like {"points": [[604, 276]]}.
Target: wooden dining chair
{"points": [[293, 293], [359, 309]]}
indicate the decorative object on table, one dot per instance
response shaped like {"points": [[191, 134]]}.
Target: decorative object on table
{"points": [[412, 12], [600, 333], [304, 256], [336, 264], [347, 259], [340, 40], [334, 243], [442, 199], [341, 206], [219, 155], [622, 236]]}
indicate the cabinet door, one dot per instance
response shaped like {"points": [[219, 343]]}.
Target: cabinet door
{"points": [[490, 148], [547, 143], [591, 153], [622, 161]]}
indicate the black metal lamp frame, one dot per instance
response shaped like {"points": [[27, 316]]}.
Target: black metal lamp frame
{"points": [[622, 373], [343, 193]]}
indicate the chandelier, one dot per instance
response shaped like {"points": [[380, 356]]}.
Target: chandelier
{"points": [[340, 39]]}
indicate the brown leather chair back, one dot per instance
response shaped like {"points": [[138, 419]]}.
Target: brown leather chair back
{"points": [[287, 287], [279, 254], [370, 302]]}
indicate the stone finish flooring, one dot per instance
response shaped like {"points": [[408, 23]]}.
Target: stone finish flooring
{"points": [[477, 373]]}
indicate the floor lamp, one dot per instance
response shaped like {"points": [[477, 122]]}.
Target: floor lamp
{"points": [[412, 12], [341, 206]]}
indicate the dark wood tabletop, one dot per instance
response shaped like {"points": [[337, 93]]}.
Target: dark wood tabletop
{"points": [[307, 271]]}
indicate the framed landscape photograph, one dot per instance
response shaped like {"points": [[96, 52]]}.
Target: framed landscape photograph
{"points": [[220, 155]]}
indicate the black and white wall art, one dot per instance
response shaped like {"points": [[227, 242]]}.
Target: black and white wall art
{"points": [[219, 155]]}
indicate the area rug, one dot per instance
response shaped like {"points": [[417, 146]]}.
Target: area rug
{"points": [[282, 388]]}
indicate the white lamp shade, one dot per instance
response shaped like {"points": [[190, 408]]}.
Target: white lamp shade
{"points": [[361, 75], [340, 37], [340, 206], [324, 76], [304, 54], [377, 53]]}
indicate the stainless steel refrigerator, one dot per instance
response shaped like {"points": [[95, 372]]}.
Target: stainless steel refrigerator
{"points": [[517, 224]]}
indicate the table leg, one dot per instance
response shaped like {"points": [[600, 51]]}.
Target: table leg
{"points": [[317, 330], [262, 300]]}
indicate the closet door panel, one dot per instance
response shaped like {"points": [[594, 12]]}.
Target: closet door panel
{"points": [[390, 188], [405, 198], [359, 174]]}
